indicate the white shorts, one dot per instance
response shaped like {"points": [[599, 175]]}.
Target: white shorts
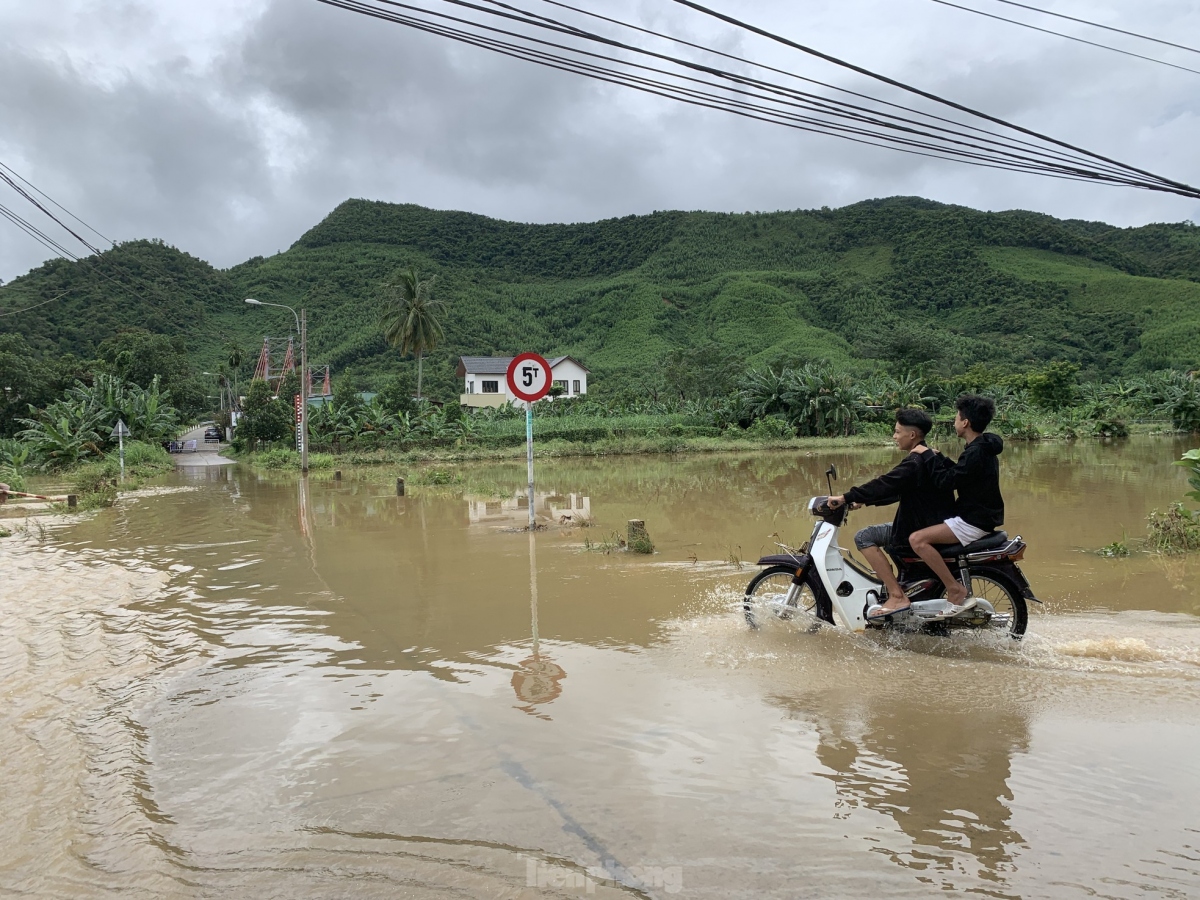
{"points": [[965, 532]]}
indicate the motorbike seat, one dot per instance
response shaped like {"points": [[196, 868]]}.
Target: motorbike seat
{"points": [[991, 542]]}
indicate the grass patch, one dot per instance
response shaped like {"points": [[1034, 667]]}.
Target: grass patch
{"points": [[97, 483], [1175, 531]]}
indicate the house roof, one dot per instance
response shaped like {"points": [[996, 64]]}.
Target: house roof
{"points": [[498, 365]]}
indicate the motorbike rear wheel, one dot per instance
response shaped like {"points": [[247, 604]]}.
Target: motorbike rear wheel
{"points": [[1005, 597], [767, 600]]}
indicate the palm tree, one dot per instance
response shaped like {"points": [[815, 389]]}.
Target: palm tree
{"points": [[234, 357], [410, 316]]}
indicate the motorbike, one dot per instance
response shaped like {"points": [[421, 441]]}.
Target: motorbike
{"points": [[819, 580]]}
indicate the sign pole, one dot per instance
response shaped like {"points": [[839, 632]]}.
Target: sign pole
{"points": [[120, 432], [529, 457], [529, 379]]}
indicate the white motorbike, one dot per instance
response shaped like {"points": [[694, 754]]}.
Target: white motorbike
{"points": [[822, 582]]}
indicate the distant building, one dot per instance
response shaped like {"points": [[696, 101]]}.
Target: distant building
{"points": [[485, 381]]}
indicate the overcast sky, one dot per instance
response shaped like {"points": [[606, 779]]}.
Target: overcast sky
{"points": [[229, 127]]}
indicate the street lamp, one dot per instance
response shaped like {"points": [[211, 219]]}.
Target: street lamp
{"points": [[301, 326]]}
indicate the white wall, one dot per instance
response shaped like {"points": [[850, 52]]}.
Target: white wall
{"points": [[568, 370]]}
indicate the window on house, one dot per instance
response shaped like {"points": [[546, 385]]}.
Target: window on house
{"points": [[561, 384], [575, 386], [470, 387], [491, 387]]}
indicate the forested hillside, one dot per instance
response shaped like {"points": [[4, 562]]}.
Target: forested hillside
{"points": [[902, 284]]}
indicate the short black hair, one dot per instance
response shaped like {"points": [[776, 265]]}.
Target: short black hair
{"points": [[979, 411], [914, 418]]}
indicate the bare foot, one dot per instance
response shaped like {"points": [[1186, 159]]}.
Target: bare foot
{"points": [[894, 602], [956, 594]]}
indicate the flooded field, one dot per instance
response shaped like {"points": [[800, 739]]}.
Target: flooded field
{"points": [[244, 687]]}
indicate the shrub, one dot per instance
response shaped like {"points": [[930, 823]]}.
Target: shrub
{"points": [[1175, 531]]}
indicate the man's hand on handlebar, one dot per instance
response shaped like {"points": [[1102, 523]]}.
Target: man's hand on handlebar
{"points": [[835, 502]]}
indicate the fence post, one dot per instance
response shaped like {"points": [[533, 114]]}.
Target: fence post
{"points": [[399, 487], [72, 501]]}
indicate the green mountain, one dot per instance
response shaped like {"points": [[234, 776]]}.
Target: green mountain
{"points": [[901, 283]]}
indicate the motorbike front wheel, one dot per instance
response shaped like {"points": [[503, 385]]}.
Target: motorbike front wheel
{"points": [[1005, 597], [770, 599]]}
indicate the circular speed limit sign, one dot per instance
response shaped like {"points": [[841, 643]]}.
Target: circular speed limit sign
{"points": [[529, 377]]}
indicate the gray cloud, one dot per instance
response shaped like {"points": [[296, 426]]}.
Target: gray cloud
{"points": [[230, 129]]}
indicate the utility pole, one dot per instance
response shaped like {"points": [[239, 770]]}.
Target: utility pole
{"points": [[303, 393]]}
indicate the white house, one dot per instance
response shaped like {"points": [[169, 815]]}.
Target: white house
{"points": [[486, 384]]}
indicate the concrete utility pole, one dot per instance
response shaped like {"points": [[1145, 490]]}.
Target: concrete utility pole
{"points": [[302, 329]]}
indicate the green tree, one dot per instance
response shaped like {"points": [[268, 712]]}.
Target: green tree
{"points": [[396, 395], [410, 316], [139, 357], [1054, 386], [265, 418]]}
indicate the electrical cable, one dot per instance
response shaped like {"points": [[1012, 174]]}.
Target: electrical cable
{"points": [[13, 312], [1069, 37], [34, 187], [686, 95], [691, 96], [784, 72], [36, 233], [898, 132], [24, 193], [541, 21], [359, 6], [1144, 37], [1168, 184]]}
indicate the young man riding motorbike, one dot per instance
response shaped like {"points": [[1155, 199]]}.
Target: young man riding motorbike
{"points": [[922, 503]]}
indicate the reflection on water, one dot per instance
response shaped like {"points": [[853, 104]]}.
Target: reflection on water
{"points": [[260, 685], [940, 770], [513, 511]]}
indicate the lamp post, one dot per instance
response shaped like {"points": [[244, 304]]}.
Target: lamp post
{"points": [[221, 386], [301, 327]]}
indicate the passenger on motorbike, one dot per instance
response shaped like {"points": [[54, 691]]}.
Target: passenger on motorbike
{"points": [[979, 509], [922, 503]]}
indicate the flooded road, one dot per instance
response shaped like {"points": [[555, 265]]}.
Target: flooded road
{"points": [[242, 687]]}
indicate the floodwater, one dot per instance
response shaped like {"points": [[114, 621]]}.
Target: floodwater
{"points": [[243, 687]]}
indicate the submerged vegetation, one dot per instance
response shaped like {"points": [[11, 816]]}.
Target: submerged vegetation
{"points": [[1178, 529]]}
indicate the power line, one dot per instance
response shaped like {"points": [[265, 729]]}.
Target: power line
{"points": [[1144, 37], [24, 193], [36, 233], [34, 187], [690, 96], [739, 94], [1167, 184], [13, 312], [1069, 37], [1009, 141]]}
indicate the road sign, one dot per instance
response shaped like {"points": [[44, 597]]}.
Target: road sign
{"points": [[529, 377]]}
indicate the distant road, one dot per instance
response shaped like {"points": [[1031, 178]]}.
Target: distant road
{"points": [[205, 455]]}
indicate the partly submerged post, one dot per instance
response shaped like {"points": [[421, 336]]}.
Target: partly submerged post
{"points": [[637, 538], [399, 487], [120, 432], [529, 459], [337, 476]]}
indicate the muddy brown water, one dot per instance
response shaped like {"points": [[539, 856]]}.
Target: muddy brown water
{"points": [[242, 687]]}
